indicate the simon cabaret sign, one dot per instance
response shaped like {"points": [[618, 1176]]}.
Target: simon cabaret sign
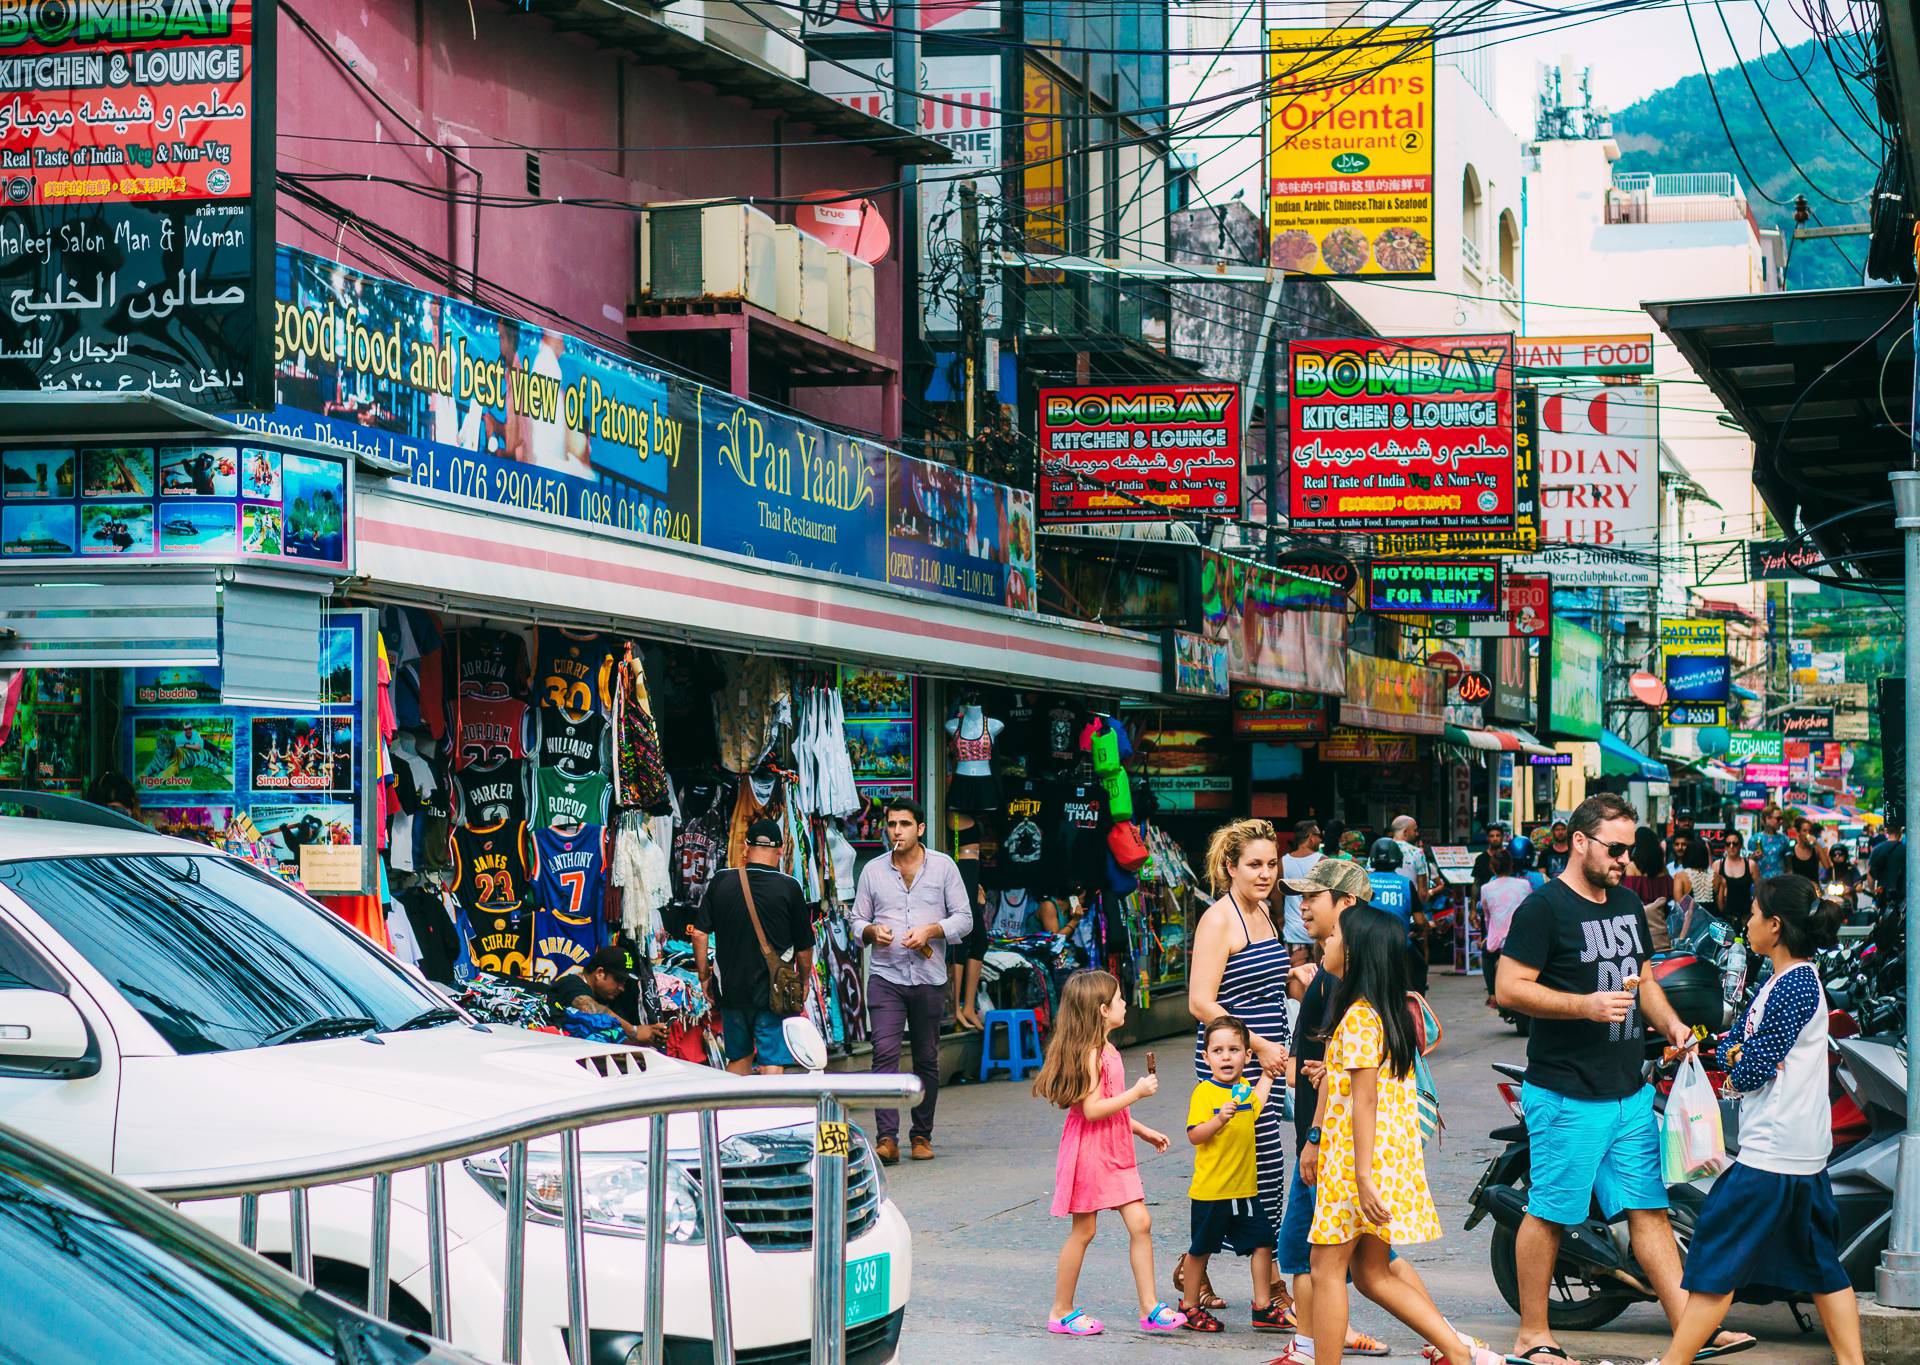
{"points": [[487, 407]]}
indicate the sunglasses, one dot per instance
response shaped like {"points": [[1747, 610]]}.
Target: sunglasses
{"points": [[1616, 851]]}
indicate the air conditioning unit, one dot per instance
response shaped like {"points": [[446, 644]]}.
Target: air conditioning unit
{"points": [[860, 305], [801, 265], [702, 250], [837, 294]]}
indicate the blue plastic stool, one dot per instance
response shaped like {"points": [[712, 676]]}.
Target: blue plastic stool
{"points": [[1022, 1028]]}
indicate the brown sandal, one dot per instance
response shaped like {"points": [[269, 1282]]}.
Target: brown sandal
{"points": [[1200, 1320], [1208, 1299]]}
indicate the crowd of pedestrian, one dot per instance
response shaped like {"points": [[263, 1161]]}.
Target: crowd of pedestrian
{"points": [[1568, 947]]}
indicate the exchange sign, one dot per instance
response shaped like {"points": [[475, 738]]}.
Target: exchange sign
{"points": [[1756, 746], [1130, 453], [1404, 434], [1350, 162], [1455, 587]]}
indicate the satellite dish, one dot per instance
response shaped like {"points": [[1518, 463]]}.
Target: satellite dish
{"points": [[1714, 740], [850, 225], [1646, 688]]}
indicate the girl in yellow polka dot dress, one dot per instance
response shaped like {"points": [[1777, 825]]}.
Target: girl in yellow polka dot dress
{"points": [[1370, 1174]]}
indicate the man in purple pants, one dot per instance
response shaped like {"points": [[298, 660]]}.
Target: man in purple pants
{"points": [[909, 906]]}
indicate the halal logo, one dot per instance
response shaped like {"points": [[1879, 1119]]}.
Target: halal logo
{"points": [[1474, 687], [217, 180]]}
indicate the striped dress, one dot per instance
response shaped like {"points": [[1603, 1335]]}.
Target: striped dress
{"points": [[1253, 989]]}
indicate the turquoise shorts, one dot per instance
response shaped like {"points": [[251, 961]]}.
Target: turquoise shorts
{"points": [[1587, 1150]]}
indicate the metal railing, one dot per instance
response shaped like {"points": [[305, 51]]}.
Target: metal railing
{"points": [[380, 1162], [1678, 183]]}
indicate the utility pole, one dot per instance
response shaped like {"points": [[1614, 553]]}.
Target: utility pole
{"points": [[906, 113], [1263, 369], [972, 289]]}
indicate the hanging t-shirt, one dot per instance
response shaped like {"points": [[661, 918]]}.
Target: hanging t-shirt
{"points": [[1025, 815], [493, 873], [700, 844], [1020, 742], [1581, 947], [571, 886], [489, 729], [489, 795], [569, 800], [1079, 855], [1016, 913], [573, 670], [575, 746], [1060, 736], [489, 660]]}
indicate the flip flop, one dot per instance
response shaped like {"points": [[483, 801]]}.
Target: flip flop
{"points": [[1161, 1318], [1549, 1353], [1360, 1344], [1433, 1355], [1076, 1324], [1741, 1342]]}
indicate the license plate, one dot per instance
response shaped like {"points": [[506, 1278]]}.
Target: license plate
{"points": [[869, 1281]]}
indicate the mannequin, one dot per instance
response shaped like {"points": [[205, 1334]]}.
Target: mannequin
{"points": [[964, 957], [974, 789]]}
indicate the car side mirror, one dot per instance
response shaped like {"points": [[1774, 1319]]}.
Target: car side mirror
{"points": [[44, 1035], [803, 1040]]}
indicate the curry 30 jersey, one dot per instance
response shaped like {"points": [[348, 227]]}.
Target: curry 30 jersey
{"points": [[570, 923], [494, 869], [573, 670]]}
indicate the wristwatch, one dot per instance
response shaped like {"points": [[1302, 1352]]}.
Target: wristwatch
{"points": [[1313, 1136]]}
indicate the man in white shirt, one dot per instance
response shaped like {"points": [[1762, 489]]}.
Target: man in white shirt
{"points": [[1294, 866], [1413, 858]]}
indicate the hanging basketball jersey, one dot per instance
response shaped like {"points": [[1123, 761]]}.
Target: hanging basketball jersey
{"points": [[493, 874], [570, 923], [489, 728], [568, 800], [576, 747], [489, 661], [574, 671], [489, 795]]}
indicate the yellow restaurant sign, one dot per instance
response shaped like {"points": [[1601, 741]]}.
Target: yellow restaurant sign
{"points": [[1350, 151]]}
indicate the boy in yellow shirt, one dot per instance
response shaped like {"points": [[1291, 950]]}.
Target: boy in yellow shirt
{"points": [[1225, 1192]]}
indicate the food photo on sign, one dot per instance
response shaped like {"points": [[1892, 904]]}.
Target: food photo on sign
{"points": [[1401, 434]]}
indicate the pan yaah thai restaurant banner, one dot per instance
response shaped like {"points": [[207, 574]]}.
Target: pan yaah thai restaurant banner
{"points": [[491, 408]]}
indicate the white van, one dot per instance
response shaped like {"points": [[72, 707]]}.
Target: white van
{"points": [[164, 1007]]}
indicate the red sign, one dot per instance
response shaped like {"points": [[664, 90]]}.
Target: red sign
{"points": [[1402, 434], [1529, 604], [1449, 663], [124, 106], [1139, 453]]}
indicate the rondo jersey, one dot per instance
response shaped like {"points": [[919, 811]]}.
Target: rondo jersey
{"points": [[494, 869], [571, 886], [568, 800]]}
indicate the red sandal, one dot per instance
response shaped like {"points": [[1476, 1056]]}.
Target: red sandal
{"points": [[1200, 1320]]}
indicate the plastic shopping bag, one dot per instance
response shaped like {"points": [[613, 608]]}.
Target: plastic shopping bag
{"points": [[1692, 1145]]}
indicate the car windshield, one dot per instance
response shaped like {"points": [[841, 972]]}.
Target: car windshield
{"points": [[216, 954], [95, 1275]]}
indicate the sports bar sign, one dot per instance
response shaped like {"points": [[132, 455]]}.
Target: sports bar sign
{"points": [[1131, 453], [1401, 434]]}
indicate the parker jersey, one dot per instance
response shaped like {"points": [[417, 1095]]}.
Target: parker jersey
{"points": [[567, 800], [571, 885], [575, 747], [489, 729], [494, 869], [573, 670], [492, 795]]}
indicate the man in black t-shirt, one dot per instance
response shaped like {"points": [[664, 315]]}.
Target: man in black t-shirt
{"points": [[753, 1038], [1573, 962], [1483, 865], [1887, 869], [603, 985]]}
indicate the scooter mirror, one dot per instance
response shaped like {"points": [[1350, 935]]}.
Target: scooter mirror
{"points": [[803, 1040]]}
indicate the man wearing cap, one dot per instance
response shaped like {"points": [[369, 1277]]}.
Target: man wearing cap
{"points": [[724, 938], [909, 906], [603, 985]]}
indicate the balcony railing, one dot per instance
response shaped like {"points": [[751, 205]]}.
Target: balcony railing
{"points": [[1470, 257], [1509, 293], [1683, 183]]}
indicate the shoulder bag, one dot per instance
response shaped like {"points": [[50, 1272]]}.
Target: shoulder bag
{"points": [[786, 992]]}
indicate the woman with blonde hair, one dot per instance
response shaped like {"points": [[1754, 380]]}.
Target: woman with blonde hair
{"points": [[1240, 968]]}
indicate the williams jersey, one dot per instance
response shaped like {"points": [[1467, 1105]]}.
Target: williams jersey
{"points": [[575, 747], [491, 796], [489, 661], [571, 887], [494, 869], [489, 729], [567, 800], [573, 671]]}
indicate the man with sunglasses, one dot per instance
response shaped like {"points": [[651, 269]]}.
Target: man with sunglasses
{"points": [[1573, 962]]}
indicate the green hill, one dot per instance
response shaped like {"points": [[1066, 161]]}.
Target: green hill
{"points": [[1677, 129]]}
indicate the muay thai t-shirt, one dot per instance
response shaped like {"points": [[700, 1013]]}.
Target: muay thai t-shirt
{"points": [[1581, 947]]}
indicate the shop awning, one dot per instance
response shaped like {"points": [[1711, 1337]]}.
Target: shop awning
{"points": [[1509, 741], [1620, 759], [420, 549]]}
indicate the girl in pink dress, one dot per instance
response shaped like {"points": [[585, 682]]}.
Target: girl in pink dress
{"points": [[1083, 1074]]}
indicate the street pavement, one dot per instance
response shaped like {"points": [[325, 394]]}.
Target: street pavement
{"points": [[984, 1243]]}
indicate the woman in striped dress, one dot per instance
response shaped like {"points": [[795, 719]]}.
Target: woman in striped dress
{"points": [[1240, 968]]}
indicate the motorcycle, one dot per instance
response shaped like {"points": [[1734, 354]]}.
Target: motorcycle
{"points": [[1597, 1277]]}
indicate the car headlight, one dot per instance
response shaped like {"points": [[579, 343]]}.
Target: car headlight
{"points": [[613, 1193]]}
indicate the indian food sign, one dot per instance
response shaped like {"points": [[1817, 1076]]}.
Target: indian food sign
{"points": [[1131, 453], [1350, 151], [1401, 434]]}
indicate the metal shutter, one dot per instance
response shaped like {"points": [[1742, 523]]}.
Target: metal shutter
{"points": [[270, 643], [59, 619]]}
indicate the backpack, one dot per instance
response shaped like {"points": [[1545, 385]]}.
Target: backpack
{"points": [[1427, 1031]]}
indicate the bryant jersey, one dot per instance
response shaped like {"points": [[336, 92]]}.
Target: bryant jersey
{"points": [[573, 670], [576, 747], [570, 923], [488, 729], [489, 661], [568, 800], [494, 869], [489, 796]]}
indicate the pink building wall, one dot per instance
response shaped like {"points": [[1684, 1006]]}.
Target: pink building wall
{"points": [[522, 82]]}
